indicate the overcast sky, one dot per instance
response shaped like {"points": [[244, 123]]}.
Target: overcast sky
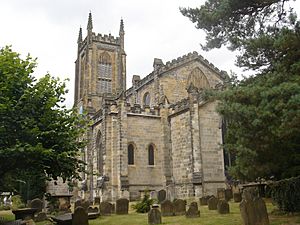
{"points": [[48, 30]]}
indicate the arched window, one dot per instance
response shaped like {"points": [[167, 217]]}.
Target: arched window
{"points": [[146, 99], [99, 149], [104, 82], [130, 154], [151, 155]]}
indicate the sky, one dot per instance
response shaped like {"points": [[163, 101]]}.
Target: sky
{"points": [[48, 30]]}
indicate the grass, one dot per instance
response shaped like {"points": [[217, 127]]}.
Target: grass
{"points": [[207, 217]]}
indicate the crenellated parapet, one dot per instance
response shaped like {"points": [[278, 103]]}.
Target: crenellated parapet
{"points": [[107, 39], [180, 106], [137, 109]]}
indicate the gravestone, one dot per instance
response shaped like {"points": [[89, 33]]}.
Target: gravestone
{"points": [[253, 209], [223, 207], [154, 215], [41, 216], [106, 208], [161, 195], [122, 206], [204, 200], [80, 216], [237, 197], [179, 207], [97, 201], [228, 194], [212, 203], [83, 203], [167, 208], [193, 211], [221, 193], [37, 204], [93, 210]]}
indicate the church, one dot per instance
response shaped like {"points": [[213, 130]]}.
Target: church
{"points": [[159, 134]]}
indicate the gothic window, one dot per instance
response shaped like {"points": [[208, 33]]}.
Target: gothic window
{"points": [[151, 155], [197, 79], [130, 154], [146, 99], [99, 150], [104, 83]]}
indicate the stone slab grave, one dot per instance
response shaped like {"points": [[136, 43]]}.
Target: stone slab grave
{"points": [[80, 216], [193, 211], [161, 195], [154, 215], [122, 206], [179, 207], [37, 204], [106, 208], [167, 208], [212, 203], [253, 209], [223, 207]]}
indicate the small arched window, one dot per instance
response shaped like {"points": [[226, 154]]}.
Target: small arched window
{"points": [[130, 154], [146, 99], [151, 155]]}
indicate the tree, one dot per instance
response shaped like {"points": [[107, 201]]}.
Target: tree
{"points": [[262, 112], [39, 138]]}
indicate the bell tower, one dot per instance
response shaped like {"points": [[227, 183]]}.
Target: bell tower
{"points": [[100, 68]]}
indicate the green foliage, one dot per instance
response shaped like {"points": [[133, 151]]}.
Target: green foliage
{"points": [[144, 206], [39, 138], [261, 112], [286, 194], [17, 202]]}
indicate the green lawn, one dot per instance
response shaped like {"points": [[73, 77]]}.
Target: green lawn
{"points": [[207, 217]]}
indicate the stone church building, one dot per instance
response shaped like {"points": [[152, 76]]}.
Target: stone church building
{"points": [[160, 134]]}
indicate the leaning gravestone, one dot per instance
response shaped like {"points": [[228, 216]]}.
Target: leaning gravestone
{"points": [[223, 207], [122, 206], [221, 193], [80, 216], [37, 204], [106, 208], [253, 209], [161, 195], [212, 203], [154, 215], [193, 211], [167, 208], [179, 207], [237, 197], [204, 200], [228, 194]]}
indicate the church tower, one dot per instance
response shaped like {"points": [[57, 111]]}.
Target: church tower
{"points": [[100, 68]]}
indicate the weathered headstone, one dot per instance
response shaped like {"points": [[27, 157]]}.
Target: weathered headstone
{"points": [[204, 200], [80, 216], [237, 197], [212, 203], [122, 205], [106, 208], [167, 208], [193, 211], [37, 204], [179, 207], [223, 207], [161, 195], [228, 194], [41, 216], [83, 203], [221, 193], [93, 210], [253, 209], [97, 201], [154, 215]]}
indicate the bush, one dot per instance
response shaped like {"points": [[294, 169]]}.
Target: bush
{"points": [[286, 193], [145, 205], [4, 207], [17, 202]]}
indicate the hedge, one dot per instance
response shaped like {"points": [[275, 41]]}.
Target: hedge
{"points": [[286, 193]]}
